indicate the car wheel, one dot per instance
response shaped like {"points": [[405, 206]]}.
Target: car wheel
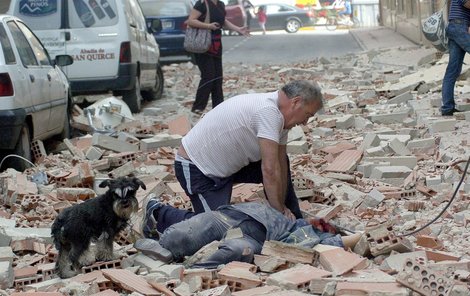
{"points": [[23, 149], [292, 26], [156, 92], [133, 97]]}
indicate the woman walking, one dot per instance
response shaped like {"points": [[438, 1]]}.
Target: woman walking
{"points": [[210, 62]]}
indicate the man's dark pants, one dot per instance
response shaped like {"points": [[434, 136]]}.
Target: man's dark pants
{"points": [[208, 193]]}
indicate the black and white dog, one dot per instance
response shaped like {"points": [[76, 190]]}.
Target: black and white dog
{"points": [[98, 219]]}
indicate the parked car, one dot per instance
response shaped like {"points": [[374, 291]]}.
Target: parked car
{"points": [[112, 47], [35, 96], [170, 35], [235, 12], [285, 17]]}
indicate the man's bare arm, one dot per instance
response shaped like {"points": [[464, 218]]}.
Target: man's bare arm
{"points": [[271, 169], [282, 156]]}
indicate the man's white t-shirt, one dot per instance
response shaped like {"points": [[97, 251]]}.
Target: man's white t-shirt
{"points": [[226, 138]]}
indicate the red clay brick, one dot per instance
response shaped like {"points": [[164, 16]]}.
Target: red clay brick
{"points": [[350, 288], [298, 277], [130, 281], [346, 162], [340, 261]]}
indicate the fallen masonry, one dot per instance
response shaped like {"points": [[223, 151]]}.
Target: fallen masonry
{"points": [[380, 160]]}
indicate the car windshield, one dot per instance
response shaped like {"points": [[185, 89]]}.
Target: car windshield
{"points": [[164, 8]]}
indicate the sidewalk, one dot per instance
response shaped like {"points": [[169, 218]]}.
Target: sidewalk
{"points": [[380, 37]]}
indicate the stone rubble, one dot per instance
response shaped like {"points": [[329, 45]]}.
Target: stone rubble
{"points": [[378, 159]]}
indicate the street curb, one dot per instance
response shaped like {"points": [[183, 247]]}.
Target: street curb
{"points": [[307, 28], [358, 40]]}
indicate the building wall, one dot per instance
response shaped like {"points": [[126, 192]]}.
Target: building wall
{"points": [[367, 12], [406, 16]]}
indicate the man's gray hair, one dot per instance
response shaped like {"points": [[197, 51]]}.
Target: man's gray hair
{"points": [[309, 91]]}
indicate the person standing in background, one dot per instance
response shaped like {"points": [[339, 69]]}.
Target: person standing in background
{"points": [[210, 62], [262, 18], [458, 33]]}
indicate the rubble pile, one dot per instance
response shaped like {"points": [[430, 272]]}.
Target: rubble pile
{"points": [[379, 159]]}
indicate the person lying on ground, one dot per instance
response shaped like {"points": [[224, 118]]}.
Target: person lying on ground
{"points": [[258, 222]]}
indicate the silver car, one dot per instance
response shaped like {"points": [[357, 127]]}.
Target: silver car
{"points": [[34, 92]]}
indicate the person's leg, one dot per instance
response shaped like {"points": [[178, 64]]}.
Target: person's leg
{"points": [[238, 249], [205, 193], [252, 173], [187, 237], [457, 45], [217, 90], [205, 65]]}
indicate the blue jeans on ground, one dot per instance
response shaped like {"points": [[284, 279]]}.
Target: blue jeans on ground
{"points": [[187, 237], [459, 44], [208, 193]]}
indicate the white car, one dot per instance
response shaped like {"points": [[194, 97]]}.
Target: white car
{"points": [[34, 92], [111, 45]]}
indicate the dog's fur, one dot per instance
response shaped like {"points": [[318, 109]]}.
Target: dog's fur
{"points": [[98, 219]]}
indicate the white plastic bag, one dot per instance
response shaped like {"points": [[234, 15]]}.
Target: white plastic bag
{"points": [[434, 30]]}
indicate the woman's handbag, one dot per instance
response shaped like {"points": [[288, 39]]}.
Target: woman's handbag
{"points": [[198, 40], [434, 29]]}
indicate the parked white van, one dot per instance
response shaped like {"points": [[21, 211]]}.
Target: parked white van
{"points": [[112, 47]]}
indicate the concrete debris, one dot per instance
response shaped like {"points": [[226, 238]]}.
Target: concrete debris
{"points": [[380, 159]]}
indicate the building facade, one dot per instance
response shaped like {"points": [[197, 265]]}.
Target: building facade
{"points": [[406, 16]]}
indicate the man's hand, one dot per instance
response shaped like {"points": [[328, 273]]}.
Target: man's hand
{"points": [[322, 225]]}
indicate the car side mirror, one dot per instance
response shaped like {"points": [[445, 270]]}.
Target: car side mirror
{"points": [[63, 60], [155, 25]]}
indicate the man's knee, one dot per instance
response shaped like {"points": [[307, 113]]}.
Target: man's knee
{"points": [[239, 250]]}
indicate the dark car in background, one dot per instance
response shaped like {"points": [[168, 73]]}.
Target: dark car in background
{"points": [[284, 17], [170, 37]]}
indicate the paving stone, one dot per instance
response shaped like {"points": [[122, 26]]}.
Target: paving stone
{"points": [[401, 98], [345, 122], [160, 140], [370, 140], [408, 161], [396, 117], [113, 144], [442, 125], [6, 275], [297, 147], [399, 148], [295, 134], [375, 152], [322, 131]]}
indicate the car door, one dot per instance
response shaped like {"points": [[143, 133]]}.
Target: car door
{"points": [[147, 46], [56, 95], [95, 35], [39, 82], [276, 20]]}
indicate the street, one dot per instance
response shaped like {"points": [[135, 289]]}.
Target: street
{"points": [[281, 47]]}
